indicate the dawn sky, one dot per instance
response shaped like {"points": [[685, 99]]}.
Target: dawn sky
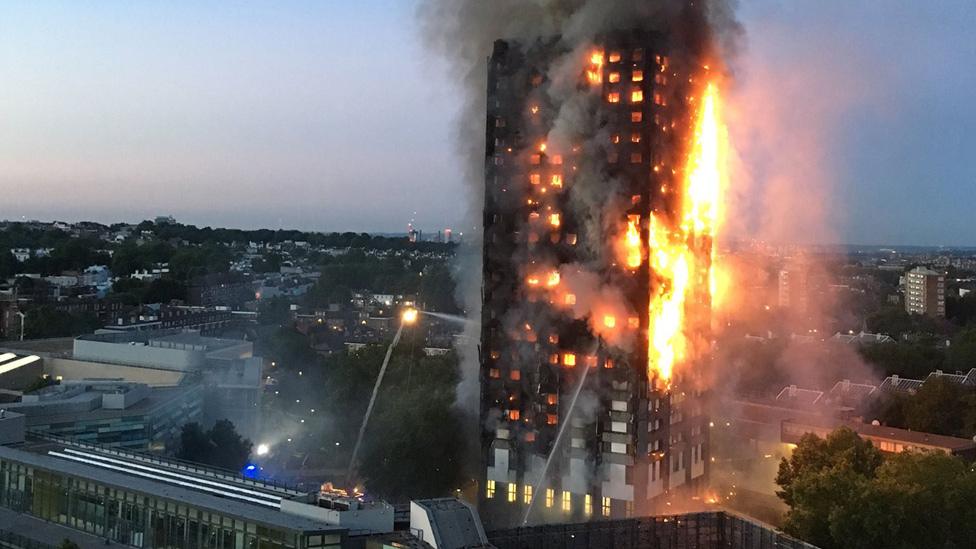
{"points": [[329, 115]]}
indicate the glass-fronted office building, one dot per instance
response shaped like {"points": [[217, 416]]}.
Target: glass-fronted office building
{"points": [[142, 504]]}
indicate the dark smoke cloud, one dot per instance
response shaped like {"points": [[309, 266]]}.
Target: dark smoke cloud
{"points": [[463, 31]]}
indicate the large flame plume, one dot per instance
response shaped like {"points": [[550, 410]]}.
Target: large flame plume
{"points": [[683, 270]]}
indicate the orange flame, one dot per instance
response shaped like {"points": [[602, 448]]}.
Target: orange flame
{"points": [[681, 258], [594, 74], [632, 242]]}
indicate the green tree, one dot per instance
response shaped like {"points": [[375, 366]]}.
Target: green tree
{"points": [[961, 355], [937, 407], [221, 446], [842, 494], [274, 311], [47, 322], [821, 475]]}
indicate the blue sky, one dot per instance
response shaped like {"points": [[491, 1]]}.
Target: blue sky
{"points": [[329, 115]]}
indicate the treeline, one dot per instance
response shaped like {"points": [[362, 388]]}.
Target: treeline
{"points": [[429, 279], [201, 235], [210, 249]]}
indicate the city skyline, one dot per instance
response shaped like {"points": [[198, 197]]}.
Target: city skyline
{"points": [[264, 117]]}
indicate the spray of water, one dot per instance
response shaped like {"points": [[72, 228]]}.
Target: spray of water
{"points": [[555, 446], [372, 401], [450, 318]]}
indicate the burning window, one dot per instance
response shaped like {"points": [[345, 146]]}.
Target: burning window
{"points": [[530, 437], [554, 359], [534, 109], [494, 373], [636, 96], [635, 200], [659, 99], [615, 138], [515, 375], [661, 79], [533, 238], [595, 72], [637, 76], [569, 359], [552, 399], [614, 57], [613, 97], [608, 363], [552, 419], [554, 220], [635, 158], [490, 489], [636, 116], [635, 137], [570, 299], [535, 159], [554, 339], [591, 361], [556, 159], [495, 355], [513, 415], [571, 240], [557, 180], [533, 216], [535, 178], [633, 322], [612, 157], [614, 77], [609, 321]]}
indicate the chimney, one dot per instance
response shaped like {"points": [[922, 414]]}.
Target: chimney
{"points": [[894, 380], [792, 391], [845, 385]]}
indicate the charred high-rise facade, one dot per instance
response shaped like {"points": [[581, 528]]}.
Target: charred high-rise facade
{"points": [[585, 411]]}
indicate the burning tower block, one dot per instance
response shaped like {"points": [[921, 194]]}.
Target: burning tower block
{"points": [[601, 200]]}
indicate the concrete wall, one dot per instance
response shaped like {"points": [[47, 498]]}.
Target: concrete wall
{"points": [[139, 355], [376, 519], [12, 427]]}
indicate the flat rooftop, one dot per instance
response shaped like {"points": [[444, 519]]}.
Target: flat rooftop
{"points": [[173, 339], [215, 490], [157, 397], [60, 345]]}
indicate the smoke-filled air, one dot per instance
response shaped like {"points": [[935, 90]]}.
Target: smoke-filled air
{"points": [[600, 190]]}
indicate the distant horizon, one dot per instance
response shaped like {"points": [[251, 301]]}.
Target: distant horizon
{"points": [[459, 232]]}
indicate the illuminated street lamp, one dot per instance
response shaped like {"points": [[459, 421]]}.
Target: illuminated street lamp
{"points": [[409, 316]]}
